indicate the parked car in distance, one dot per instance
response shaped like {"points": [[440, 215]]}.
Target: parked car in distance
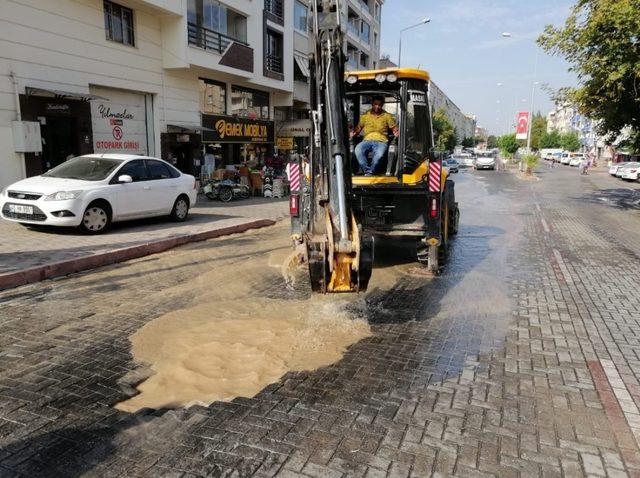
{"points": [[630, 171], [615, 166], [92, 191], [565, 158], [485, 161], [549, 153], [576, 159], [464, 159], [452, 164]]}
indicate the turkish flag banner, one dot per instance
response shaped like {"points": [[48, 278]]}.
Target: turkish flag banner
{"points": [[522, 126]]}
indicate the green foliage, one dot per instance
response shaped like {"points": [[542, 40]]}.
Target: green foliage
{"points": [[600, 40], [538, 129], [550, 140], [492, 142], [570, 141], [444, 132], [508, 144], [531, 160], [468, 143]]}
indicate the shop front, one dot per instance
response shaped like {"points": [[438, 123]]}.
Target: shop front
{"points": [[65, 126], [295, 133], [237, 140]]}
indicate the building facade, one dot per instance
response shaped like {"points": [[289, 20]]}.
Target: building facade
{"points": [[567, 119], [464, 124], [156, 77]]}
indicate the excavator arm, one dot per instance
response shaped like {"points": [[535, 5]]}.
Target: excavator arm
{"points": [[339, 257]]}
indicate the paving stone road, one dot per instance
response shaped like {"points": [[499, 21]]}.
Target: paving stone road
{"points": [[522, 359]]}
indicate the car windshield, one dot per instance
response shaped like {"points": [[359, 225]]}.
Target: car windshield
{"points": [[85, 168]]}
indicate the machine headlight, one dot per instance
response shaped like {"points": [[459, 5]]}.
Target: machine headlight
{"points": [[392, 77], [381, 77], [62, 195], [351, 79]]}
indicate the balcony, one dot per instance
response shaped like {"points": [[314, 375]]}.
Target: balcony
{"points": [[208, 39], [273, 63], [353, 29], [274, 10], [301, 92]]}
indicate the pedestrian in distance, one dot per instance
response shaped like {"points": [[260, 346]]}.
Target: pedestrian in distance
{"points": [[584, 166]]}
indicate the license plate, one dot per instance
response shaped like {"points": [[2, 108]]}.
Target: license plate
{"points": [[18, 209]]}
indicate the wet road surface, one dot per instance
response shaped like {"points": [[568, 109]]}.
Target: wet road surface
{"points": [[520, 360]]}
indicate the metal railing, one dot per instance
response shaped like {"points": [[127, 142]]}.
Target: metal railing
{"points": [[274, 7], [209, 39], [273, 63]]}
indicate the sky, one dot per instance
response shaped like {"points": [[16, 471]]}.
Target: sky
{"points": [[464, 51]]}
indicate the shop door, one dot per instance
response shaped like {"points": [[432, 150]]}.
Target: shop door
{"points": [[184, 156], [61, 140]]}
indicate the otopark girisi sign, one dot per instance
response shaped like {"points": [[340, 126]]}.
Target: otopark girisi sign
{"points": [[231, 129]]}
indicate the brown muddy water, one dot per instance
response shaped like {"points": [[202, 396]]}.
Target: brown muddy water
{"points": [[230, 343]]}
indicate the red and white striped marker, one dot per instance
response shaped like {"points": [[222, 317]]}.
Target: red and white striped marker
{"points": [[435, 176], [294, 176]]}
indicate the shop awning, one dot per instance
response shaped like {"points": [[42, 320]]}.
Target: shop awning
{"points": [[190, 127], [303, 64], [31, 91]]}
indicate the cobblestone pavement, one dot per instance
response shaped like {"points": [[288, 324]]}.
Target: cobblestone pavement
{"points": [[520, 360], [22, 247]]}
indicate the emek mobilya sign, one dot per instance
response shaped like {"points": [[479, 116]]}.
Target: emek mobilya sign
{"points": [[230, 129]]}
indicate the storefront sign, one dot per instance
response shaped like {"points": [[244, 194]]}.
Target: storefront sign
{"points": [[295, 129], [284, 143], [230, 129], [120, 124]]}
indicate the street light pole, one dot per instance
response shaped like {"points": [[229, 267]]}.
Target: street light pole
{"points": [[422, 22]]}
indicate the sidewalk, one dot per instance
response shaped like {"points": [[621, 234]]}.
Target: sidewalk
{"points": [[31, 254]]}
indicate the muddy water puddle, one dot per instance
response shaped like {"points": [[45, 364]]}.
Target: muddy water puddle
{"points": [[232, 342]]}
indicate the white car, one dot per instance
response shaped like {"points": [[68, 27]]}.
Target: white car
{"points": [[484, 161], [630, 171], [95, 190], [576, 160], [565, 158], [613, 170]]}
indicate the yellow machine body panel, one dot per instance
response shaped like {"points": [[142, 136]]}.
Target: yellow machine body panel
{"points": [[407, 179], [401, 73]]}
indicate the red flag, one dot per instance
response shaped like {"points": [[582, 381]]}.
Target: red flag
{"points": [[522, 127]]}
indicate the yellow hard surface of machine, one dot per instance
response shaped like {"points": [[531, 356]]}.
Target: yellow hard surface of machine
{"points": [[338, 211]]}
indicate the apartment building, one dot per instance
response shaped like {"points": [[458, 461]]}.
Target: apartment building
{"points": [[464, 124], [362, 46], [157, 77]]}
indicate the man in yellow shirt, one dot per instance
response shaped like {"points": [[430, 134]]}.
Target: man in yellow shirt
{"points": [[376, 124]]}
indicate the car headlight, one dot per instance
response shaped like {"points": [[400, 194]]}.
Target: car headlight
{"points": [[62, 195]]}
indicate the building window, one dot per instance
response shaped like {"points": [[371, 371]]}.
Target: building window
{"points": [[365, 32], [377, 9], [275, 8], [273, 52], [300, 17], [212, 25], [249, 103], [375, 39], [353, 23], [364, 60], [213, 97], [118, 23], [352, 57]]}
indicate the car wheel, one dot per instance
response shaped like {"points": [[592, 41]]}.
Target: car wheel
{"points": [[180, 209], [226, 194], [96, 218]]}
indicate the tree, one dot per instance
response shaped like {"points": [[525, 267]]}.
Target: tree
{"points": [[538, 129], [492, 142], [600, 41], [468, 143], [443, 131], [570, 141], [550, 139], [508, 144]]}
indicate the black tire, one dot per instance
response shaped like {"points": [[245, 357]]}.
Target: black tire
{"points": [[96, 219], [225, 194], [180, 210]]}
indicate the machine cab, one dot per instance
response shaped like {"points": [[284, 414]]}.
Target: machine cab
{"points": [[405, 94]]}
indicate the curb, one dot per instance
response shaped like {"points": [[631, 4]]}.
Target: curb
{"points": [[63, 268]]}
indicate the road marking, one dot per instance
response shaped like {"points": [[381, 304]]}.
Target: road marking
{"points": [[563, 267], [619, 406], [545, 226]]}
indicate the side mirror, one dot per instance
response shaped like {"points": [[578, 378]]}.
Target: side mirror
{"points": [[125, 178]]}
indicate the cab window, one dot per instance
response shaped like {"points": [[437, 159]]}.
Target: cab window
{"points": [[418, 127]]}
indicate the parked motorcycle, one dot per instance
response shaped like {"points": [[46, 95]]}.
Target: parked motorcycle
{"points": [[225, 190]]}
